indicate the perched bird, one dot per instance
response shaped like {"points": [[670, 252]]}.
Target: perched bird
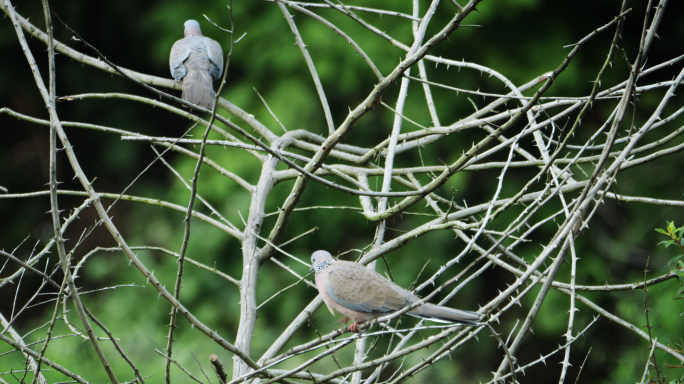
{"points": [[195, 61], [362, 295]]}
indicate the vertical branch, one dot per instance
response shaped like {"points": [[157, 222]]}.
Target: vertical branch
{"points": [[648, 362], [531, 316], [251, 257], [428, 95], [391, 149], [419, 34], [629, 90], [648, 324], [311, 66], [360, 348], [597, 83], [49, 99], [53, 176], [191, 203], [571, 317], [49, 333], [366, 202]]}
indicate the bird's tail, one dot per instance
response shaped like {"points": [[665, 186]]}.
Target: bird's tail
{"points": [[198, 89], [446, 315]]}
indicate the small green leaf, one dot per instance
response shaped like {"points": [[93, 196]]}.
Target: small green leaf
{"points": [[664, 232], [676, 262], [676, 266], [667, 243], [679, 233]]}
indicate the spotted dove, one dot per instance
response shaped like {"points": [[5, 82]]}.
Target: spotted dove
{"points": [[362, 295], [195, 61]]}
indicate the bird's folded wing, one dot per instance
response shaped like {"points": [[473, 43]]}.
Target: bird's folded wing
{"points": [[215, 57], [360, 289], [179, 53]]}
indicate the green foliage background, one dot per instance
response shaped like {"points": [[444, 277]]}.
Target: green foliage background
{"points": [[520, 38]]}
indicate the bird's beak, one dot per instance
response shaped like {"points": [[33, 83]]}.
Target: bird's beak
{"points": [[311, 269]]}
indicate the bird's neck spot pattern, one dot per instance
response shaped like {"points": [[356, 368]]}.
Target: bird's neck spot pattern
{"points": [[323, 266]]}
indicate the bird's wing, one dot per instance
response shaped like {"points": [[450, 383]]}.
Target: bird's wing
{"points": [[215, 57], [179, 53], [360, 289]]}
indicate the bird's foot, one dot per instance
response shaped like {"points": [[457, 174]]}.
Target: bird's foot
{"points": [[353, 325], [343, 320]]}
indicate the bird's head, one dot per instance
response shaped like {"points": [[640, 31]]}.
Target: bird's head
{"points": [[192, 28], [319, 257]]}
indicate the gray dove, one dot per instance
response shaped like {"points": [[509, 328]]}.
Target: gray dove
{"points": [[362, 295], [195, 61]]}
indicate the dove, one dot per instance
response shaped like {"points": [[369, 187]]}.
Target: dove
{"points": [[196, 61], [361, 294]]}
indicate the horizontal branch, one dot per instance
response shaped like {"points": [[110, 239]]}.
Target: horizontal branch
{"points": [[144, 200]]}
